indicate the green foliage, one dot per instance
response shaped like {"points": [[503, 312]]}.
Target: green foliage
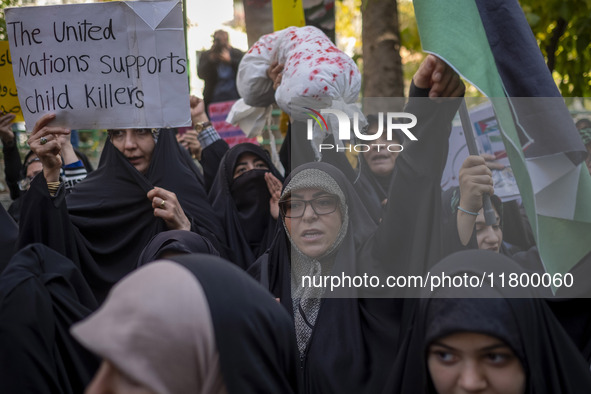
{"points": [[411, 52], [563, 31], [5, 4]]}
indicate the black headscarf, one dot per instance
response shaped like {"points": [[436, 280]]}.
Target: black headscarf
{"points": [[9, 231], [111, 215], [243, 205], [255, 339], [175, 241], [376, 187], [551, 362], [41, 295]]}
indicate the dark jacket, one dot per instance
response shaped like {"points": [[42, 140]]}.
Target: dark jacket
{"points": [[208, 72]]}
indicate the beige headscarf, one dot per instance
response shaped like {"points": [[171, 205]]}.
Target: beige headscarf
{"points": [[156, 327]]}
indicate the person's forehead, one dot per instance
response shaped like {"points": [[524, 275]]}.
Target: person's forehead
{"points": [[306, 192], [34, 168], [248, 156], [480, 220], [384, 136], [34, 164], [470, 340]]}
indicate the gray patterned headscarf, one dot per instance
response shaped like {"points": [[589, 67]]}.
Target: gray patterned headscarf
{"points": [[306, 300]]}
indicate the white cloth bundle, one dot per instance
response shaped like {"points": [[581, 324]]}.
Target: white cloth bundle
{"points": [[314, 69]]}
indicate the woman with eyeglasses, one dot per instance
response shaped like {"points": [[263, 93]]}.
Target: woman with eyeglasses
{"points": [[144, 185], [323, 224], [347, 334]]}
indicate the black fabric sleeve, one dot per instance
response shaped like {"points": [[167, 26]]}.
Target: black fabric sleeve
{"points": [[44, 219], [211, 157], [296, 149], [411, 227], [338, 159], [235, 58], [207, 68], [12, 168]]}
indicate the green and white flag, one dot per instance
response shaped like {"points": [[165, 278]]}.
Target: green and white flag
{"points": [[491, 45]]}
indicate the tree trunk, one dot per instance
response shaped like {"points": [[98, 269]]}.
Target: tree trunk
{"points": [[258, 16], [382, 65]]}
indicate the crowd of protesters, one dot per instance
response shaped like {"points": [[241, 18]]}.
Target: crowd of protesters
{"points": [[151, 274]]}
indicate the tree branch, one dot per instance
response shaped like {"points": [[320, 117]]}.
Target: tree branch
{"points": [[553, 44]]}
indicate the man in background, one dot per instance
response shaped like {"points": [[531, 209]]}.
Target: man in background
{"points": [[217, 68]]}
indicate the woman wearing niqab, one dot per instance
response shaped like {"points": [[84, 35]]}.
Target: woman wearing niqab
{"points": [[242, 203]]}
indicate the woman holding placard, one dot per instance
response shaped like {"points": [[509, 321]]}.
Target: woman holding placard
{"points": [[143, 185]]}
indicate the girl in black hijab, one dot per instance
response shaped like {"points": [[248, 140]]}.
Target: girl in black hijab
{"points": [[498, 340], [241, 197], [207, 328]]}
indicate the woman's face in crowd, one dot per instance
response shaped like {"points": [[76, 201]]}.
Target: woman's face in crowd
{"points": [[488, 237], [110, 380], [380, 160], [34, 168], [469, 362], [137, 145], [248, 161], [312, 233]]}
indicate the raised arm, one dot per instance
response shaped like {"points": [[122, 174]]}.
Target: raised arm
{"points": [[475, 181], [410, 233], [45, 143]]}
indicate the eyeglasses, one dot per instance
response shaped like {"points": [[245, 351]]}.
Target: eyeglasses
{"points": [[119, 135], [321, 206]]}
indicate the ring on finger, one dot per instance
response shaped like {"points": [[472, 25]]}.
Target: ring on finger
{"points": [[43, 140], [162, 204]]}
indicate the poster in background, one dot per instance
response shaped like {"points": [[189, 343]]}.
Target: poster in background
{"points": [[233, 135], [103, 65], [488, 140]]}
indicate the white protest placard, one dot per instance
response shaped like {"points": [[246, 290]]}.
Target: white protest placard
{"points": [[105, 65]]}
